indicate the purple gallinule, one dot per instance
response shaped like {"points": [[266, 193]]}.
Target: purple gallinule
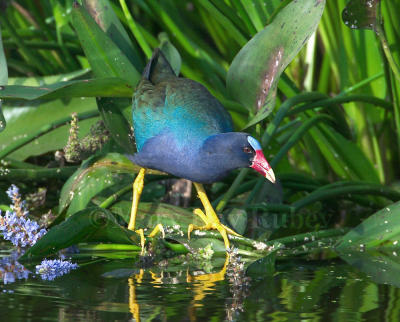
{"points": [[181, 129]]}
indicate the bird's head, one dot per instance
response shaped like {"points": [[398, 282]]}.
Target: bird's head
{"points": [[237, 150]]}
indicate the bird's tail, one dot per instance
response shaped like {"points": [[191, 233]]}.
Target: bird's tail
{"points": [[158, 68]]}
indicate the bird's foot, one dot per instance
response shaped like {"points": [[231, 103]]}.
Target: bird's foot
{"points": [[158, 229], [211, 224]]}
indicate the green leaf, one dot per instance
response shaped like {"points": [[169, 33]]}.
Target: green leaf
{"points": [[3, 65], [3, 122], [3, 81], [237, 218], [171, 217], [170, 52], [111, 110], [150, 214], [95, 175], [91, 224], [264, 266], [105, 57], [382, 268], [104, 87], [102, 12], [361, 14], [107, 53], [106, 173], [254, 73], [28, 118], [46, 80], [382, 229]]}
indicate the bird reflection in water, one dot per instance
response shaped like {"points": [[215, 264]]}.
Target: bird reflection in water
{"points": [[201, 285]]}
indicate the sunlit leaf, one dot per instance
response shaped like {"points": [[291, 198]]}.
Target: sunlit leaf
{"points": [[105, 57], [3, 81], [360, 14], [105, 87], [28, 118], [103, 13], [95, 175], [379, 230], [47, 80], [175, 221], [254, 73], [150, 214], [3, 64]]}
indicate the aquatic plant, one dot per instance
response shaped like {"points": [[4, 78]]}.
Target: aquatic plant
{"points": [[15, 225], [49, 269]]}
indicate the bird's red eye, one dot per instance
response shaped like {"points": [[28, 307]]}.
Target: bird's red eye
{"points": [[246, 149]]}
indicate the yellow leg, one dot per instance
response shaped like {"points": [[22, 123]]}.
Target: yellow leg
{"points": [[210, 217], [137, 191]]}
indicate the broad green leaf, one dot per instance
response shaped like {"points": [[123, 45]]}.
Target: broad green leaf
{"points": [[95, 175], [170, 52], [264, 266], [254, 73], [91, 224], [150, 214], [28, 118], [46, 80], [102, 12], [175, 221], [104, 87], [361, 14], [111, 110], [105, 57], [106, 173], [109, 58], [382, 229], [381, 267]]}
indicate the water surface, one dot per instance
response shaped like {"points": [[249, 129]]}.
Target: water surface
{"points": [[118, 290]]}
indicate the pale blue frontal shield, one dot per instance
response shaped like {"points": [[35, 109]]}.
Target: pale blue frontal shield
{"points": [[254, 143]]}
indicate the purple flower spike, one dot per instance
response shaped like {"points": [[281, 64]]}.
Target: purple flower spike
{"points": [[15, 225], [13, 192], [49, 269]]}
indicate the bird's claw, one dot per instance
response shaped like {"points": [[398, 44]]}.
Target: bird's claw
{"points": [[158, 229], [212, 226], [140, 232]]}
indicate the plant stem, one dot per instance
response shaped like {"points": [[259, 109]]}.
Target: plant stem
{"points": [[38, 174], [339, 99], [381, 35], [297, 135], [231, 191], [372, 189], [114, 197]]}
